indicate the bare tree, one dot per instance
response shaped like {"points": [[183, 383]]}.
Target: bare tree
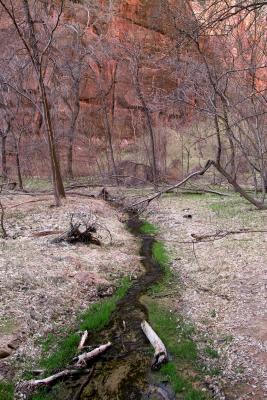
{"points": [[37, 39]]}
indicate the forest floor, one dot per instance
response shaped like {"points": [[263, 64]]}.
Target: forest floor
{"points": [[43, 286], [223, 286]]}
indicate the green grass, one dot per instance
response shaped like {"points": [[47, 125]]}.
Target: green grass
{"points": [[66, 350], [95, 318], [212, 353], [98, 315], [148, 229], [161, 256], [229, 207], [36, 184], [59, 352], [175, 333], [6, 390]]}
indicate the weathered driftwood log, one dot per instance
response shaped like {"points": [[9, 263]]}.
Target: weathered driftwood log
{"points": [[160, 355], [29, 386], [83, 340], [85, 357]]}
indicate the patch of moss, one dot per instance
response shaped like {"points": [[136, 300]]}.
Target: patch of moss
{"points": [[148, 229], [173, 331], [6, 390], [161, 257], [211, 352], [95, 318], [64, 350]]}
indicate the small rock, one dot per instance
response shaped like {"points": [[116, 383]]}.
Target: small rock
{"points": [[5, 353], [187, 216], [14, 344]]}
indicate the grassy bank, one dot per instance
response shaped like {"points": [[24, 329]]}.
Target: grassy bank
{"points": [[182, 371], [58, 352]]}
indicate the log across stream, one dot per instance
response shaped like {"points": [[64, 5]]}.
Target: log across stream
{"points": [[123, 371]]}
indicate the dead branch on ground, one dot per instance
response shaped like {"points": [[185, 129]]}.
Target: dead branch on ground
{"points": [[29, 386], [83, 340], [222, 234], [85, 357]]}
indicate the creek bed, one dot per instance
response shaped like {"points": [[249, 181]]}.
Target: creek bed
{"points": [[123, 372]]}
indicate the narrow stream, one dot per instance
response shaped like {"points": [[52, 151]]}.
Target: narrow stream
{"points": [[123, 372]]}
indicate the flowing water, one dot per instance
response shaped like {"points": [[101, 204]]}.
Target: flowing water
{"points": [[123, 372]]}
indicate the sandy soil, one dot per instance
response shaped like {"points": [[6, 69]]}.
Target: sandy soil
{"points": [[224, 287], [42, 285]]}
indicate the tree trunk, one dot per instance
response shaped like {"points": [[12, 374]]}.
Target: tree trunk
{"points": [[18, 166], [4, 163], [71, 134], [36, 60], [110, 144], [55, 168], [150, 128], [239, 189]]}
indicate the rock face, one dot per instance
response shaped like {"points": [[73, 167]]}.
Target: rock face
{"points": [[137, 33], [128, 69]]}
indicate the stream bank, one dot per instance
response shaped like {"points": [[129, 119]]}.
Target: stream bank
{"points": [[123, 372]]}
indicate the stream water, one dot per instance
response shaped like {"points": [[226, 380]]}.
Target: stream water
{"points": [[123, 372]]}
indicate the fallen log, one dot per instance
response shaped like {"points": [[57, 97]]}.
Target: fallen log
{"points": [[160, 355], [85, 357], [83, 340]]}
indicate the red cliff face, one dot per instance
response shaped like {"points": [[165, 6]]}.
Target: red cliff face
{"points": [[141, 39]]}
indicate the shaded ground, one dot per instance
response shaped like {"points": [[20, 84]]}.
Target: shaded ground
{"points": [[223, 287], [42, 285]]}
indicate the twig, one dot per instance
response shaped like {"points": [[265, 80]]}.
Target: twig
{"points": [[85, 357], [83, 340]]}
